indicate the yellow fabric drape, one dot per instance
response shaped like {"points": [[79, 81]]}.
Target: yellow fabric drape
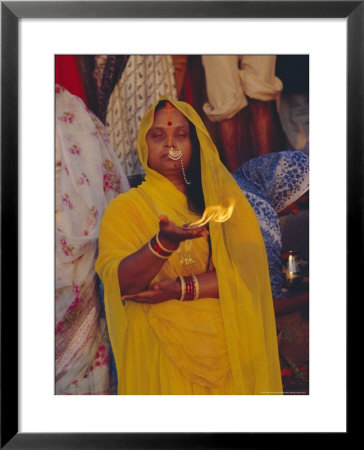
{"points": [[208, 346]]}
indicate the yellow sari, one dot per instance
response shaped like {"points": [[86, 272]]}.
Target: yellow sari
{"points": [[207, 346]]}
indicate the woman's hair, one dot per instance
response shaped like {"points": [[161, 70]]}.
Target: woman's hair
{"points": [[195, 197]]}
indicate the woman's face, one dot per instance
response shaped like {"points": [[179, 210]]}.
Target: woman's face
{"points": [[169, 129]]}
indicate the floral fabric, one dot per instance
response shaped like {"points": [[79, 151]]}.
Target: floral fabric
{"points": [[143, 81], [88, 177], [271, 183]]}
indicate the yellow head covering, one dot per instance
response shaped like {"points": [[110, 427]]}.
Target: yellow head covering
{"points": [[239, 258]]}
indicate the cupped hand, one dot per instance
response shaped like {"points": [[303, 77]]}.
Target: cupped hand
{"points": [[159, 292], [173, 234]]}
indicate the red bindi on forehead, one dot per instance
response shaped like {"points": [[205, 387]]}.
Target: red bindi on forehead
{"points": [[169, 108], [170, 117]]}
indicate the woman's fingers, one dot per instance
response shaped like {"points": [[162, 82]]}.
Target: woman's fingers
{"points": [[175, 233], [142, 294], [193, 234], [149, 296], [166, 224], [159, 292], [163, 219]]}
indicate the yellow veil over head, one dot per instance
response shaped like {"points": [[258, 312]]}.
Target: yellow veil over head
{"points": [[239, 258]]}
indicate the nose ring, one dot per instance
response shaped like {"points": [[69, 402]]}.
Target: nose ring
{"points": [[174, 153]]}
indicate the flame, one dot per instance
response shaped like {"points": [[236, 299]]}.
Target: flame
{"points": [[215, 213]]}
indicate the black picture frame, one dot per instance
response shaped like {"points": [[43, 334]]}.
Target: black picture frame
{"points": [[11, 12]]}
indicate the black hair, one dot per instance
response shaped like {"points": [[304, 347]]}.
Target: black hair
{"points": [[195, 197]]}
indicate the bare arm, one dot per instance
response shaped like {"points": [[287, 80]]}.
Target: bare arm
{"points": [[171, 290], [136, 271], [208, 285]]}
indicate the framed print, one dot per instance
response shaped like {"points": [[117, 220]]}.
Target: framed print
{"points": [[43, 420]]}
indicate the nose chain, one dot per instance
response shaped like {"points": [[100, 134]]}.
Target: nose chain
{"points": [[176, 154], [184, 174]]}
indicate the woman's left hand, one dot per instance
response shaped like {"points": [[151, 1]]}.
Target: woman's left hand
{"points": [[158, 293]]}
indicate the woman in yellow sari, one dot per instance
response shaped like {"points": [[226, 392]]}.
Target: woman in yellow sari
{"points": [[189, 310]]}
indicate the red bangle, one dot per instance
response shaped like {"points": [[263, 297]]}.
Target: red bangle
{"points": [[190, 288], [162, 247], [156, 249]]}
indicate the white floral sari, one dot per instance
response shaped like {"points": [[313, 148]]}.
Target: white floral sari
{"points": [[88, 177]]}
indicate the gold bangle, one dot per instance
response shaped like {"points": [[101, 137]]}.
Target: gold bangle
{"points": [[161, 246], [183, 288], [155, 253], [197, 287]]}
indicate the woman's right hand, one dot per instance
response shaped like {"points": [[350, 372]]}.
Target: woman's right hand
{"points": [[171, 235]]}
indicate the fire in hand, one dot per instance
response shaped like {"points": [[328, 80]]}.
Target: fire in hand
{"points": [[214, 213]]}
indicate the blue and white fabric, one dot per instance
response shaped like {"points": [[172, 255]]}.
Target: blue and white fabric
{"points": [[271, 183]]}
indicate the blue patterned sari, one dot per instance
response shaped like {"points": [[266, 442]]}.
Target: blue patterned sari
{"points": [[271, 183]]}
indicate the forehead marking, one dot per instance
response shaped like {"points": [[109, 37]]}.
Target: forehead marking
{"points": [[169, 108]]}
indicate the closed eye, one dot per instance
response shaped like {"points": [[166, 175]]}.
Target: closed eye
{"points": [[156, 134]]}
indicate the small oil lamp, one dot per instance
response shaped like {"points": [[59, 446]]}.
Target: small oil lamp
{"points": [[293, 271]]}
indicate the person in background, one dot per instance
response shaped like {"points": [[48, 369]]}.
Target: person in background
{"points": [[144, 79], [276, 185], [88, 177], [293, 108], [189, 310], [242, 91]]}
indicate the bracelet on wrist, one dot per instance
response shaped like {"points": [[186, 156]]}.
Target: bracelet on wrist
{"points": [[162, 247], [183, 288], [190, 288], [155, 248], [197, 287]]}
